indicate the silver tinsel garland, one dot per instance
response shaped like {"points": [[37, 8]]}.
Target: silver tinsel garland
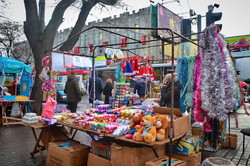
{"points": [[218, 86]]}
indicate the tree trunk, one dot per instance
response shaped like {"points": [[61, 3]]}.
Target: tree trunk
{"points": [[41, 40]]}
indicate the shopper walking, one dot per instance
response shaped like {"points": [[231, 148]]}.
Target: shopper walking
{"points": [[98, 88], [107, 91], [140, 88], [166, 91], [73, 92]]}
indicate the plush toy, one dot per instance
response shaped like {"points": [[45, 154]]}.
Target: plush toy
{"points": [[161, 126], [44, 75], [46, 61], [147, 132], [136, 119]]}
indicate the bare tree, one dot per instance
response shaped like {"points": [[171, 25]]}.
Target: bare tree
{"points": [[10, 33], [41, 40]]}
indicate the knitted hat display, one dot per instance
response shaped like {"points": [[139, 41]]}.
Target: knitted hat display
{"points": [[135, 66], [139, 73], [128, 70]]}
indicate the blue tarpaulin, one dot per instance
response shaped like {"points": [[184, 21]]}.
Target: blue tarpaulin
{"points": [[10, 65]]}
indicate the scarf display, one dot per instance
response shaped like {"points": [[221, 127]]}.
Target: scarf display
{"points": [[183, 78]]}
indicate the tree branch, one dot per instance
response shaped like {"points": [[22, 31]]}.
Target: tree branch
{"points": [[32, 26], [109, 2], [31, 13], [56, 20], [85, 9]]}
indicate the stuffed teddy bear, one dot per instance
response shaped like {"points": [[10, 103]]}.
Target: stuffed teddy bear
{"points": [[147, 132], [135, 125], [136, 119], [161, 126]]}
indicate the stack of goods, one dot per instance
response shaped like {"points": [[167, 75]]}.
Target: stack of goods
{"points": [[137, 123], [68, 118], [30, 118], [120, 94], [102, 108]]}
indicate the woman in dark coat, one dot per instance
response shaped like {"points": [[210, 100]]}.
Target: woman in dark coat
{"points": [[72, 90], [166, 92], [107, 90]]}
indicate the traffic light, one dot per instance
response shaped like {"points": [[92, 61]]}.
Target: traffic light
{"points": [[212, 17], [238, 72], [186, 28]]}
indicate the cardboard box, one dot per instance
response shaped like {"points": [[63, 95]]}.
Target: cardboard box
{"points": [[134, 156], [101, 148], [188, 145], [54, 134], [76, 155], [181, 125], [197, 131], [94, 160], [164, 161], [191, 160], [233, 141]]}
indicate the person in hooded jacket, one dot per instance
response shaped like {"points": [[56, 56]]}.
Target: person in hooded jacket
{"points": [[107, 91], [140, 88], [166, 91], [98, 88], [72, 90]]}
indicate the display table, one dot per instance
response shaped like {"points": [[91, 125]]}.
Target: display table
{"points": [[120, 140], [17, 119], [37, 148]]}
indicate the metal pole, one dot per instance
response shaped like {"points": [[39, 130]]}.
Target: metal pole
{"points": [[199, 26], [93, 68], [172, 97], [162, 50]]}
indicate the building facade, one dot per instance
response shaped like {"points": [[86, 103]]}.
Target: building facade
{"points": [[142, 18]]}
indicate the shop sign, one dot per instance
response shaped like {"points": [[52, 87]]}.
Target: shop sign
{"points": [[100, 61], [168, 19]]}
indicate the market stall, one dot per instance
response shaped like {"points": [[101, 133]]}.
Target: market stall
{"points": [[16, 75], [120, 121]]}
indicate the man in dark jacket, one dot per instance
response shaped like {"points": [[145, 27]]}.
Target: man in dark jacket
{"points": [[73, 92], [166, 92], [107, 91], [140, 88], [98, 88]]}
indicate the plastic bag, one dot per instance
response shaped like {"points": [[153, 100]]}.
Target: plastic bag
{"points": [[83, 89], [49, 107], [15, 110]]}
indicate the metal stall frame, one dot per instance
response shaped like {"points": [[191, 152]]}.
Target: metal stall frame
{"points": [[170, 40]]}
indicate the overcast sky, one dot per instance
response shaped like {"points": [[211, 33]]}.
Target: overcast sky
{"points": [[235, 18]]}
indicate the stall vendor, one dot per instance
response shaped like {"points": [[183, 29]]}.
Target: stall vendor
{"points": [[166, 91]]}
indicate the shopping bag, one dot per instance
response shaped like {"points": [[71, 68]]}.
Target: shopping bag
{"points": [[49, 107], [15, 110], [83, 89]]}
